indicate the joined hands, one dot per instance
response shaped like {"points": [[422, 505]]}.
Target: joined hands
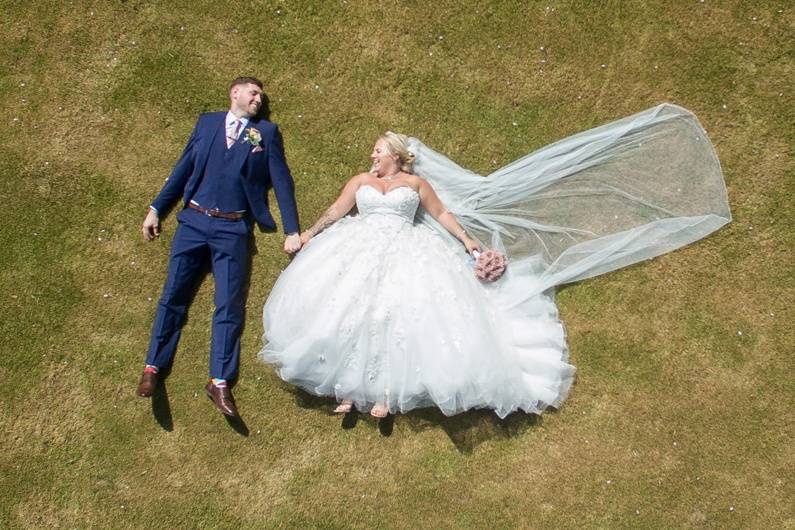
{"points": [[293, 243]]}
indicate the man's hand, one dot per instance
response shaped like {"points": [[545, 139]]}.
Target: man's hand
{"points": [[292, 243], [151, 226]]}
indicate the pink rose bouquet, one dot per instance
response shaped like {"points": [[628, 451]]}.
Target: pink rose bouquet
{"points": [[489, 265]]}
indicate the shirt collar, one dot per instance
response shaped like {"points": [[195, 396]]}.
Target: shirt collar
{"points": [[230, 119]]}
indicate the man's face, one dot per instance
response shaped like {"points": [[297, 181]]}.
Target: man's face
{"points": [[245, 99]]}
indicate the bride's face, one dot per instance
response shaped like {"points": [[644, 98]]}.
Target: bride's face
{"points": [[383, 162]]}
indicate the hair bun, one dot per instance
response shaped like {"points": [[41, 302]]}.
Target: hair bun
{"points": [[407, 162]]}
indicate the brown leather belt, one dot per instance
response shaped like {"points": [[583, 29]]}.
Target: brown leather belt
{"points": [[215, 212]]}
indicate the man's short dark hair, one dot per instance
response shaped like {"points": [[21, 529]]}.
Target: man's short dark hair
{"points": [[246, 81]]}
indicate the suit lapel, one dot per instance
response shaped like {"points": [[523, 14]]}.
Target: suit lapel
{"points": [[215, 125]]}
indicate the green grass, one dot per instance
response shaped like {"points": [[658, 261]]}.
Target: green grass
{"points": [[681, 415]]}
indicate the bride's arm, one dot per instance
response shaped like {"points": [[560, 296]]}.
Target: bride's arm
{"points": [[336, 211], [433, 205]]}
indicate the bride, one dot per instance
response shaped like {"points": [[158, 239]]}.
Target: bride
{"points": [[382, 311]]}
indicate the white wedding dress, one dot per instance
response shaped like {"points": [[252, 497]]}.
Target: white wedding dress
{"points": [[382, 306], [378, 308]]}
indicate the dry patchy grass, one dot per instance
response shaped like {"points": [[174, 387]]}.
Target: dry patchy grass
{"points": [[681, 415]]}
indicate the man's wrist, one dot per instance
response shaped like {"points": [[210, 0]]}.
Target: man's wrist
{"points": [[152, 208]]}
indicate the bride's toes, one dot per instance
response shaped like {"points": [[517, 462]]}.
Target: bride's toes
{"points": [[380, 410], [344, 407]]}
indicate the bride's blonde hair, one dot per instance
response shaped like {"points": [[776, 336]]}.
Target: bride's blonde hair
{"points": [[398, 144]]}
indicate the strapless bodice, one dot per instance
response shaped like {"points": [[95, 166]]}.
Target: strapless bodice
{"points": [[402, 201]]}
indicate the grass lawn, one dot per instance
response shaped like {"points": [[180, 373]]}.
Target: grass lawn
{"points": [[682, 413]]}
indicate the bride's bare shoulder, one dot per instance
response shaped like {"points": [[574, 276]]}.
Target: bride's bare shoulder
{"points": [[417, 182], [360, 178], [354, 183], [414, 180]]}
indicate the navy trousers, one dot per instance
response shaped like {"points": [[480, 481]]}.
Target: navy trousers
{"points": [[225, 244]]}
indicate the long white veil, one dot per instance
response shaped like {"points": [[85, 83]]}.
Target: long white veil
{"points": [[591, 203]]}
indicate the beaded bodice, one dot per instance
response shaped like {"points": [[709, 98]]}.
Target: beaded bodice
{"points": [[401, 201]]}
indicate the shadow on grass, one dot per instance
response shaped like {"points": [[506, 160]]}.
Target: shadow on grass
{"points": [[237, 424], [161, 408], [307, 401], [386, 425], [350, 419], [466, 430], [470, 429]]}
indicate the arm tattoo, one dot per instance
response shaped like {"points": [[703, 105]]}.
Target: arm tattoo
{"points": [[328, 218]]}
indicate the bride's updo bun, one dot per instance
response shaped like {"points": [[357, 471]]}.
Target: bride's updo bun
{"points": [[398, 144]]}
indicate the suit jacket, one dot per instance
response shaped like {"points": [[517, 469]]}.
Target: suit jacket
{"points": [[260, 171]]}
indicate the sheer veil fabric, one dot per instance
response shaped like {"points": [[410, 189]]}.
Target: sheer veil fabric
{"points": [[597, 201]]}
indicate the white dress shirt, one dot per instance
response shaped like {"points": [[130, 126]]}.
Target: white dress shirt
{"points": [[230, 125]]}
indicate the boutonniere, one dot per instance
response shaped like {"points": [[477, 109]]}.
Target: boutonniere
{"points": [[253, 136]]}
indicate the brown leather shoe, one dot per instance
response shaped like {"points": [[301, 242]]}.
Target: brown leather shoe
{"points": [[148, 384], [222, 398]]}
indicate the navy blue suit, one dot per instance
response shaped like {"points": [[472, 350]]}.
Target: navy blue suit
{"points": [[231, 179]]}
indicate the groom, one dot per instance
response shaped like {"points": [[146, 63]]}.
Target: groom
{"points": [[223, 176]]}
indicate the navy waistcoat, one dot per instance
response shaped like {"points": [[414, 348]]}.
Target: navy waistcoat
{"points": [[219, 187]]}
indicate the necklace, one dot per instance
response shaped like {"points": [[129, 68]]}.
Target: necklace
{"points": [[389, 177]]}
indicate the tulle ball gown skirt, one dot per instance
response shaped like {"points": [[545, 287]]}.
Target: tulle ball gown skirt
{"points": [[379, 309]]}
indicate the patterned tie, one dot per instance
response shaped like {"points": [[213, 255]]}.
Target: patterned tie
{"points": [[230, 140]]}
